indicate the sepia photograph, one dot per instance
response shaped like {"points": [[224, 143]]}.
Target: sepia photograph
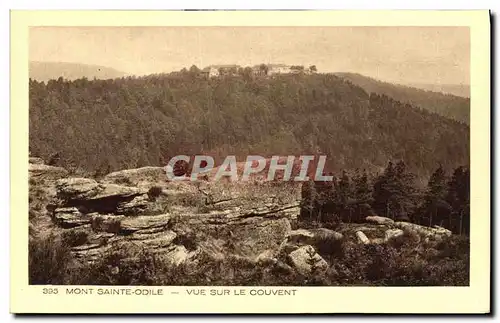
{"points": [[273, 157], [388, 107]]}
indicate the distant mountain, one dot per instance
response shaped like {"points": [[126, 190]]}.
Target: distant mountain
{"points": [[44, 71], [451, 106]]}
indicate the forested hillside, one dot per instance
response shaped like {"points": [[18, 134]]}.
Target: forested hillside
{"points": [[462, 90], [104, 125], [451, 106]]}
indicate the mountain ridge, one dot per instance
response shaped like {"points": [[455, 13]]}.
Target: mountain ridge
{"points": [[45, 71], [447, 105]]}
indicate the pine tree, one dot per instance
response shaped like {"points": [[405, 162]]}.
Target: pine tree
{"points": [[459, 199], [406, 199], [435, 209], [344, 197], [362, 194], [362, 190], [383, 189], [394, 192]]}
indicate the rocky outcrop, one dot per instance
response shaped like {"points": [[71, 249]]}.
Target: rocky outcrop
{"points": [[90, 196], [306, 260], [247, 233], [185, 221], [253, 232]]}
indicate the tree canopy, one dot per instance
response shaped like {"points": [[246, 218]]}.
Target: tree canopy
{"points": [[100, 125]]}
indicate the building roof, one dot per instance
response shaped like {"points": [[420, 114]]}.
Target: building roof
{"points": [[221, 66], [278, 65]]}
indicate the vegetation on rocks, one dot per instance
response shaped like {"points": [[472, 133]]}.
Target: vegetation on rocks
{"points": [[240, 241]]}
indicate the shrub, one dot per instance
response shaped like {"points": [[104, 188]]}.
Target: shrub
{"points": [[48, 261], [73, 238], [119, 267], [188, 240], [154, 192]]}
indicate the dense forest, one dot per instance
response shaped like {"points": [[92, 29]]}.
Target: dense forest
{"points": [[98, 126], [451, 106], [350, 197]]}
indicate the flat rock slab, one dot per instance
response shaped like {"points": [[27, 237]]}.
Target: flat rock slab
{"points": [[144, 177], [135, 223], [379, 220], [70, 217], [77, 188]]}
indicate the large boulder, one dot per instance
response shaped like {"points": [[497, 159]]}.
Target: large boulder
{"points": [[393, 234], [379, 220], [305, 259], [45, 172], [362, 237]]}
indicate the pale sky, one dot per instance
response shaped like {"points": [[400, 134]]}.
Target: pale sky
{"points": [[435, 55]]}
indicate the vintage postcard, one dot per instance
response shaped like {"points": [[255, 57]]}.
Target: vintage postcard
{"points": [[250, 162]]}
